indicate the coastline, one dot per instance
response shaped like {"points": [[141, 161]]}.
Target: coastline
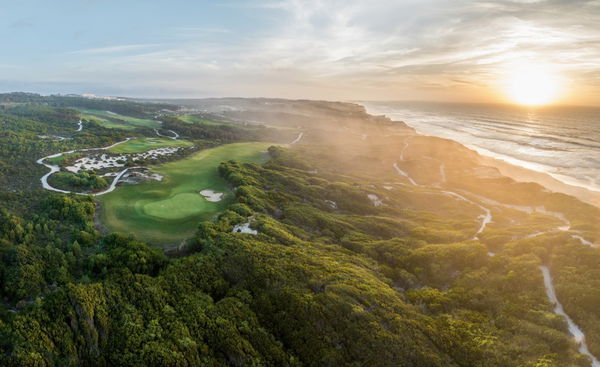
{"points": [[521, 173]]}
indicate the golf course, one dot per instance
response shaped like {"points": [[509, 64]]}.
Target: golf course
{"points": [[110, 119], [145, 144], [105, 123], [166, 212], [191, 119]]}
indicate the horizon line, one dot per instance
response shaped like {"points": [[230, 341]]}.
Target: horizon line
{"points": [[356, 101]]}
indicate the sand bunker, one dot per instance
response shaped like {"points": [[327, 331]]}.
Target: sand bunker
{"points": [[244, 228], [100, 161], [211, 195]]}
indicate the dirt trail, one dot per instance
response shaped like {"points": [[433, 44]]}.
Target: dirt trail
{"points": [[577, 333]]}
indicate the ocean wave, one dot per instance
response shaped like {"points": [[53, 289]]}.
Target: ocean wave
{"points": [[562, 143]]}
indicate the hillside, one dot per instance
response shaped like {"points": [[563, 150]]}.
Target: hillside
{"points": [[350, 240]]}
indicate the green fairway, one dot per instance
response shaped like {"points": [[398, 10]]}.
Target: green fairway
{"points": [[115, 125], [169, 211], [105, 123], [91, 118], [191, 119], [145, 144], [108, 116]]}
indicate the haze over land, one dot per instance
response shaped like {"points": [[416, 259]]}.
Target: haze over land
{"points": [[308, 232], [465, 51], [144, 225]]}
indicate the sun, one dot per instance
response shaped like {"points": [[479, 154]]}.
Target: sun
{"points": [[532, 86]]}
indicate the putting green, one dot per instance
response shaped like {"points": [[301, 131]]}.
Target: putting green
{"points": [[168, 211], [176, 207], [145, 144]]}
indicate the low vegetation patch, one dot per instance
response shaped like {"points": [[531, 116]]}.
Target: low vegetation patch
{"points": [[82, 181]]}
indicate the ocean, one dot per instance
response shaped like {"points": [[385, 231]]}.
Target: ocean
{"points": [[563, 142]]}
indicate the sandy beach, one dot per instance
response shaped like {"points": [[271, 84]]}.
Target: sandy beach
{"points": [[526, 175]]}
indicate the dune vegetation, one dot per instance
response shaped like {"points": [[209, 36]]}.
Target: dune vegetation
{"points": [[391, 249]]}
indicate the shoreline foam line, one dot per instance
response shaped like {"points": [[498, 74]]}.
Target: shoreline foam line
{"points": [[564, 184]]}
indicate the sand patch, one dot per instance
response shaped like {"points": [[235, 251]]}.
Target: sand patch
{"points": [[332, 204], [375, 200], [211, 195], [244, 228]]}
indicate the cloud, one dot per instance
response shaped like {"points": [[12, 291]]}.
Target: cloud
{"points": [[356, 49]]}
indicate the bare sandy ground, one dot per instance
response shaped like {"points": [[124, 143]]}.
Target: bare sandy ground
{"points": [[525, 175], [244, 228], [211, 195], [577, 333]]}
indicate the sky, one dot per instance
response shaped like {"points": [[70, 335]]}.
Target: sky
{"points": [[439, 50]]}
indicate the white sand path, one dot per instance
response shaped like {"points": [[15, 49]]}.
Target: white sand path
{"points": [[577, 333], [174, 137], [298, 138], [406, 142], [486, 218], [113, 184], [404, 174], [55, 168], [566, 227]]}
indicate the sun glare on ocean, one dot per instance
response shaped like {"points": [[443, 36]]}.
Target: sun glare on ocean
{"points": [[532, 86]]}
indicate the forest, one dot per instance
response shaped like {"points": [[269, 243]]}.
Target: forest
{"points": [[352, 265]]}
